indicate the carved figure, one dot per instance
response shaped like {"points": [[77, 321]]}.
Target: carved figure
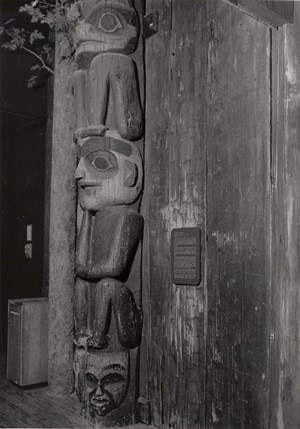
{"points": [[108, 321], [109, 27], [102, 380], [109, 176]]}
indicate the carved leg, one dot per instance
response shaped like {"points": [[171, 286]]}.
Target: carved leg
{"points": [[81, 310], [80, 93], [101, 312], [98, 91], [128, 112], [128, 317], [117, 73], [111, 293]]}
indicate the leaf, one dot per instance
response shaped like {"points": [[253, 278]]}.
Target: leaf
{"points": [[26, 9], [31, 81], [49, 19], [35, 67], [47, 48], [36, 35], [73, 13], [11, 45]]}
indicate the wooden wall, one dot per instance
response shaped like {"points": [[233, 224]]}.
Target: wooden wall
{"points": [[174, 197], [285, 315], [222, 151], [238, 217]]}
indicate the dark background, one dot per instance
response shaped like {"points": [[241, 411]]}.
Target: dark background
{"points": [[22, 173]]}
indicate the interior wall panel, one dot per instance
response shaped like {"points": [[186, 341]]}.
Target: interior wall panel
{"points": [[175, 195]]}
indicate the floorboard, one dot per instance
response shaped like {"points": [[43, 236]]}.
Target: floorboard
{"points": [[38, 408]]}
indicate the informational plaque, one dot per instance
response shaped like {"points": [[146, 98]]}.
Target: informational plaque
{"points": [[186, 256]]}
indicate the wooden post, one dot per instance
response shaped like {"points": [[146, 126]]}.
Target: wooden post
{"points": [[285, 304], [62, 229], [109, 138]]}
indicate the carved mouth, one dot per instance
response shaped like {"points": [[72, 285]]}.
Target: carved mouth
{"points": [[91, 41], [99, 403], [85, 185]]}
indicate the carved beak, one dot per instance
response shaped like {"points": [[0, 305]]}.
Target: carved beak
{"points": [[80, 170]]}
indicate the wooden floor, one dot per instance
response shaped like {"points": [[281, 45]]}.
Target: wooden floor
{"points": [[38, 408]]}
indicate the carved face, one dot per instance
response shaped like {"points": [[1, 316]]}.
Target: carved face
{"points": [[109, 173], [108, 26], [106, 381], [101, 380]]}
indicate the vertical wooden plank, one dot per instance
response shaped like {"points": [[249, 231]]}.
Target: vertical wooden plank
{"points": [[48, 156], [175, 186], [153, 47], [285, 394], [62, 228], [238, 215], [278, 215]]}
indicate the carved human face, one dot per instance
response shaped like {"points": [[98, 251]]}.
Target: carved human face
{"points": [[109, 173], [106, 380], [107, 26]]}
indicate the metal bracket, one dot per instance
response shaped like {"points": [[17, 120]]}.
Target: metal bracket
{"points": [[150, 24]]}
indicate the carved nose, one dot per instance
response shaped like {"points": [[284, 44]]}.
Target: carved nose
{"points": [[99, 391], [80, 170]]}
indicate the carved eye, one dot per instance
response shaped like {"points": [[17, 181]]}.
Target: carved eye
{"points": [[109, 22], [91, 378], [101, 163], [113, 378]]}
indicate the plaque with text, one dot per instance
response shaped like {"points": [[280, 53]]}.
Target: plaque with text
{"points": [[186, 256]]}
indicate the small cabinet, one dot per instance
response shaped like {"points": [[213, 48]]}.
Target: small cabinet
{"points": [[27, 349]]}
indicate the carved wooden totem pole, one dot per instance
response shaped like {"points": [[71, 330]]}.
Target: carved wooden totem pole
{"points": [[108, 320]]}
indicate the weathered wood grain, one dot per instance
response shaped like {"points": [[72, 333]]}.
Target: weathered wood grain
{"points": [[175, 195], [62, 229], [285, 368], [278, 216], [271, 12], [47, 197], [238, 212]]}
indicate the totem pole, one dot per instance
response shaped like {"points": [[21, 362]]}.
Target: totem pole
{"points": [[108, 320]]}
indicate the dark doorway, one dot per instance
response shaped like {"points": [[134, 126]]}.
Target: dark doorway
{"points": [[22, 175], [22, 154]]}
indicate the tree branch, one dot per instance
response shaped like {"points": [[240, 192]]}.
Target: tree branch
{"points": [[38, 57], [21, 46]]}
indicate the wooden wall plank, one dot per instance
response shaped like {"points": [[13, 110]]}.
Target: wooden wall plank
{"points": [[175, 191], [278, 215], [62, 227], [238, 214], [274, 13], [285, 375]]}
